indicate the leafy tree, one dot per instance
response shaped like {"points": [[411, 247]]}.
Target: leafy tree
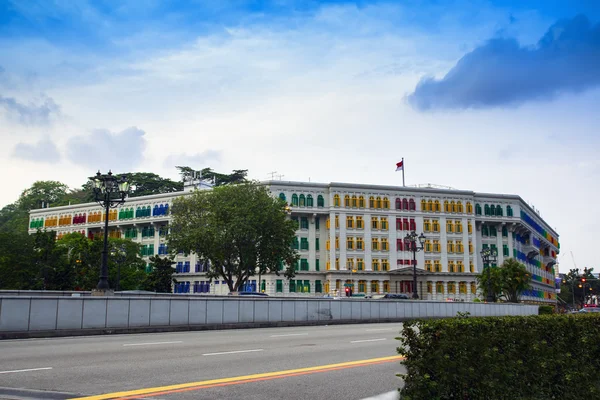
{"points": [[237, 176], [235, 229], [17, 262], [508, 281], [160, 279]]}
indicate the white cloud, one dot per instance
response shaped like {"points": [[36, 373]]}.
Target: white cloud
{"points": [[44, 151]]}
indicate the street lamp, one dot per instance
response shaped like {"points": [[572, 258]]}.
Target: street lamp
{"points": [[489, 256], [417, 243], [109, 191]]}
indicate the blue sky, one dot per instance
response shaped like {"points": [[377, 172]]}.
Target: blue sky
{"points": [[497, 95]]}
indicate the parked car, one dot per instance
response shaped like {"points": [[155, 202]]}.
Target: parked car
{"points": [[253, 294], [395, 296], [589, 310]]}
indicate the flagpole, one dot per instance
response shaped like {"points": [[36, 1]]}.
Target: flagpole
{"points": [[403, 172]]}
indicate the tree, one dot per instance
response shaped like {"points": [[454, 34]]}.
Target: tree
{"points": [[235, 229], [237, 176], [160, 279], [508, 281]]}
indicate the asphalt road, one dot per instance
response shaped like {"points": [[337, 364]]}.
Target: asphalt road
{"points": [[325, 362]]}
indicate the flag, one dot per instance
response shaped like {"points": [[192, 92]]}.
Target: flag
{"points": [[400, 166]]}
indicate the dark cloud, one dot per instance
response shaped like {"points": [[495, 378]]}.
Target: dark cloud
{"points": [[43, 151], [30, 114], [102, 149], [198, 160], [500, 72]]}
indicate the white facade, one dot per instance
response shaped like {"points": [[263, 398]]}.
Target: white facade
{"points": [[456, 233]]}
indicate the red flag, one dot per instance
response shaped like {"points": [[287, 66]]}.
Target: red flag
{"points": [[400, 166]]}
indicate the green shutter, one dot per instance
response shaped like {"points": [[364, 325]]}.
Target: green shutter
{"points": [[292, 286], [317, 268], [317, 244], [279, 286], [318, 287], [306, 287]]}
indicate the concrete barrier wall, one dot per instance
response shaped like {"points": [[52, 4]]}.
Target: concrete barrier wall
{"points": [[69, 315]]}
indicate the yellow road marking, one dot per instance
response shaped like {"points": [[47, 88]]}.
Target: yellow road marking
{"points": [[200, 384]]}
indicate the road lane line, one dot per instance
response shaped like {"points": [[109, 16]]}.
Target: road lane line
{"points": [[368, 340], [232, 352], [162, 390], [25, 370], [291, 334], [150, 344], [379, 330]]}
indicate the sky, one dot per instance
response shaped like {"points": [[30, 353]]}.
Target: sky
{"points": [[487, 95]]}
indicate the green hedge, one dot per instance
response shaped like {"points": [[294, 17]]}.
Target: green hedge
{"points": [[545, 310], [496, 358]]}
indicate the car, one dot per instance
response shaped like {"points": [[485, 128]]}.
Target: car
{"points": [[253, 294], [590, 310], [395, 296]]}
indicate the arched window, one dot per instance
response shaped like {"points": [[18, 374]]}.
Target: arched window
{"points": [[282, 196], [451, 288], [447, 206], [429, 287], [166, 209], [459, 207], [386, 203], [347, 201], [469, 208], [398, 204], [486, 209], [378, 202], [430, 205], [155, 211], [473, 288], [439, 287], [477, 209], [138, 212], [404, 204], [438, 206], [411, 205], [354, 201], [309, 201], [320, 201], [371, 202], [361, 202], [492, 210], [161, 209], [509, 211], [453, 207], [423, 205], [499, 210], [295, 199], [336, 200], [302, 202], [148, 211]]}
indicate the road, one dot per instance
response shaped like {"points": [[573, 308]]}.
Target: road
{"points": [[325, 362]]}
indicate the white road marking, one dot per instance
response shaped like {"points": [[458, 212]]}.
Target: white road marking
{"points": [[379, 329], [368, 340], [25, 370], [232, 352], [290, 334], [150, 344]]}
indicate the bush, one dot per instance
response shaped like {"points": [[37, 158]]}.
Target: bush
{"points": [[533, 358], [546, 310], [476, 300]]}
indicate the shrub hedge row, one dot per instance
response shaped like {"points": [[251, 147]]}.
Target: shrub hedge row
{"points": [[535, 357]]}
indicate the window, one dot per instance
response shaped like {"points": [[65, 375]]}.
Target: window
{"points": [[374, 286], [469, 208], [303, 244], [398, 204], [411, 205], [437, 266], [378, 203], [385, 265], [337, 242], [360, 244], [486, 209], [436, 246], [350, 222], [505, 250], [328, 265], [405, 204], [430, 205], [292, 286], [400, 244], [350, 264], [405, 224], [504, 231], [374, 244], [318, 287], [458, 228], [328, 223], [337, 263], [436, 225], [317, 244], [386, 286], [295, 199], [385, 246], [426, 225], [449, 226], [384, 223], [460, 248], [459, 206], [309, 201], [450, 246], [320, 201], [493, 231], [460, 267], [302, 201], [471, 267], [451, 267], [350, 243], [317, 265], [485, 230], [439, 287], [375, 264], [470, 247], [371, 202], [428, 266], [413, 225], [428, 246], [447, 206], [386, 203], [451, 288], [477, 209], [469, 227], [303, 264], [374, 223], [462, 287], [304, 223], [398, 224], [347, 202], [429, 287], [354, 201], [361, 202], [509, 211], [317, 223], [360, 265], [336, 200], [360, 223], [423, 205], [437, 206], [337, 222], [453, 207], [473, 288], [498, 210], [295, 244]]}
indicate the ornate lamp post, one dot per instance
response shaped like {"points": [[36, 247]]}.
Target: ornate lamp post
{"points": [[416, 244], [109, 192], [489, 256]]}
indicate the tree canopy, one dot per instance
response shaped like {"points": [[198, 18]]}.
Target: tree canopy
{"points": [[160, 279], [215, 178], [508, 281], [235, 229]]}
